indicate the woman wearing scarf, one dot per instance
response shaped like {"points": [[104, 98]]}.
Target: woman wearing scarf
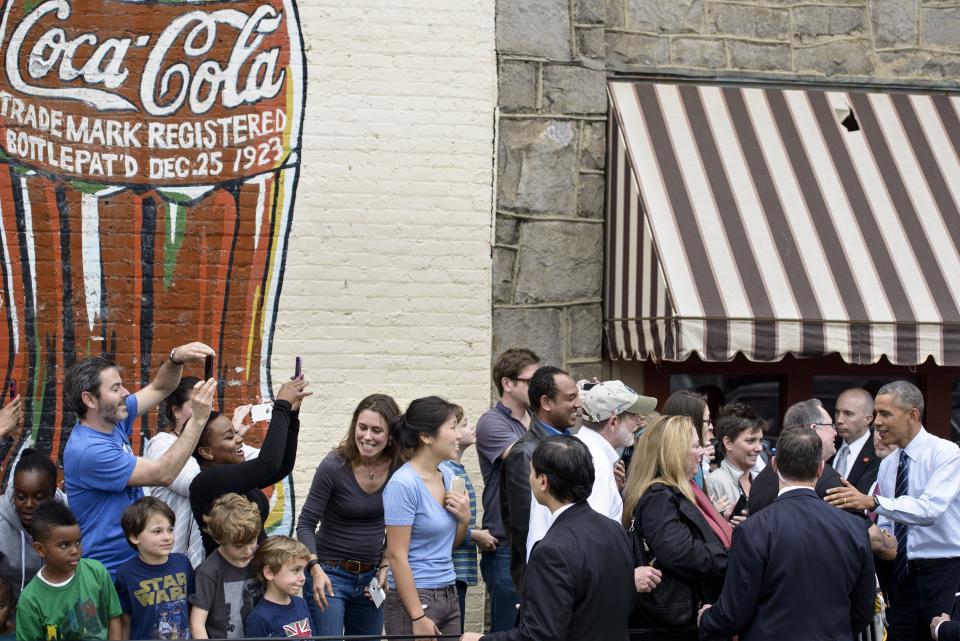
{"points": [[677, 527]]}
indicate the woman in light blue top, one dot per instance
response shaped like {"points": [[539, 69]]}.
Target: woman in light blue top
{"points": [[425, 521]]}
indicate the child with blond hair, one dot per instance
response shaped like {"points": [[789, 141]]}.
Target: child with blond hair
{"points": [[226, 591], [279, 564]]}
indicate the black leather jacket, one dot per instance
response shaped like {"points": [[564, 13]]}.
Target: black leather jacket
{"points": [[515, 497], [682, 540]]}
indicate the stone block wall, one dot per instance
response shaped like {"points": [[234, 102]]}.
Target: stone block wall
{"points": [[554, 58]]}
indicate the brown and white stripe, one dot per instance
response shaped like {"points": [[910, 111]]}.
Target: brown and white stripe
{"points": [[749, 219]]}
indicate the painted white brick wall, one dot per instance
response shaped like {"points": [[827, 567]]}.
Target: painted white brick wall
{"points": [[387, 285]]}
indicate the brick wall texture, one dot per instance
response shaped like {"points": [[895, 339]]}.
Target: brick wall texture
{"points": [[553, 59], [387, 286]]}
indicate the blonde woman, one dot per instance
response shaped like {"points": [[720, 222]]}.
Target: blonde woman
{"points": [[686, 537]]}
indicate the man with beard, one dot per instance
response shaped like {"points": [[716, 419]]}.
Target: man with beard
{"points": [[554, 400], [101, 473]]}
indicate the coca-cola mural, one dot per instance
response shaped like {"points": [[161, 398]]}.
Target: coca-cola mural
{"points": [[149, 153]]}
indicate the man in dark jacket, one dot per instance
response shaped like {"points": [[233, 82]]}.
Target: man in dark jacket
{"points": [[799, 569], [812, 415], [554, 401], [579, 580]]}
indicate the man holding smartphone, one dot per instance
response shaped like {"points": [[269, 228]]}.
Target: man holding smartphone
{"points": [[101, 473]]}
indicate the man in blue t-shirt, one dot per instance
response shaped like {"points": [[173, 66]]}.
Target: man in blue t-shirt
{"points": [[100, 471]]}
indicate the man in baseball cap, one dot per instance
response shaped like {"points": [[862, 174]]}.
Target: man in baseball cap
{"points": [[612, 412]]}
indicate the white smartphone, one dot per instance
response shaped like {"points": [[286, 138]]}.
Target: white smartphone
{"points": [[261, 412], [376, 592], [458, 485]]}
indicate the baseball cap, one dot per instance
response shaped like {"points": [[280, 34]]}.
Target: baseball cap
{"points": [[605, 400]]}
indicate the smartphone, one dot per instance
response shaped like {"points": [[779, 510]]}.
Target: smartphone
{"points": [[376, 592], [13, 390], [458, 485], [742, 505], [261, 412], [208, 368], [298, 368]]}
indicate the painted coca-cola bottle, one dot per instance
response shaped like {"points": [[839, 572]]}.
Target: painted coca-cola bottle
{"points": [[149, 153]]}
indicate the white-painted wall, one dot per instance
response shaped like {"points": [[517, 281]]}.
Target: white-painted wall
{"points": [[387, 285]]}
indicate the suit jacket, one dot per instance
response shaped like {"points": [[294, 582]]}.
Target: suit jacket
{"points": [[950, 630], [863, 474], [798, 570], [515, 496], [578, 582], [766, 485], [681, 539]]}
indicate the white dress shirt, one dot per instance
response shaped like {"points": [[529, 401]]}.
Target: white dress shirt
{"points": [[605, 497], [560, 510], [931, 506], [606, 500], [853, 453]]}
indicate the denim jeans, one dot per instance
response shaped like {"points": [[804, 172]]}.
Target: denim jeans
{"points": [[495, 568], [349, 611]]}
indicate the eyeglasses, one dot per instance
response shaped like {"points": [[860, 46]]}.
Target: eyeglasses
{"points": [[522, 380], [832, 426]]}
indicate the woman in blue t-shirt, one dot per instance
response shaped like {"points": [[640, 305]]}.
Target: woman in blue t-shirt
{"points": [[425, 522]]}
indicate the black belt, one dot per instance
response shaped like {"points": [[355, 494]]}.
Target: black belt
{"points": [[354, 567], [919, 565]]}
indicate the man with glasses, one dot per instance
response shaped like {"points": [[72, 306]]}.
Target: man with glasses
{"points": [[810, 414], [611, 414], [497, 432]]}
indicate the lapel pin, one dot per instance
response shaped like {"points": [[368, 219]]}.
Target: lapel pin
{"points": [[866, 459]]}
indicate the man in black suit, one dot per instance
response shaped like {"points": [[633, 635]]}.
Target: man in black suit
{"points": [[808, 414], [800, 569], [856, 460], [811, 415], [578, 583], [946, 627]]}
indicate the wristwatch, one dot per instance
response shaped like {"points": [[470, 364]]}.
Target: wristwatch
{"points": [[174, 360], [311, 563], [876, 503]]}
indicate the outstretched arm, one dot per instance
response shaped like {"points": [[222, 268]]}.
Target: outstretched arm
{"points": [[164, 470], [168, 376]]}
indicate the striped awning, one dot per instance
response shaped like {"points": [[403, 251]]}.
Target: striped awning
{"points": [[768, 221]]}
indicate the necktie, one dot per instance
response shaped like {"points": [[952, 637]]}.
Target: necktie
{"points": [[900, 565], [840, 463]]}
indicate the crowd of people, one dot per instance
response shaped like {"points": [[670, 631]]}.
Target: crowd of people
{"points": [[602, 517]]}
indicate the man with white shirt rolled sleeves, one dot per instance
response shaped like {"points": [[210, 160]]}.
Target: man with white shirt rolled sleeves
{"points": [[856, 460], [919, 487]]}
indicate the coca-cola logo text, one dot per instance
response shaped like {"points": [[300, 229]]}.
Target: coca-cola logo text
{"points": [[168, 82]]}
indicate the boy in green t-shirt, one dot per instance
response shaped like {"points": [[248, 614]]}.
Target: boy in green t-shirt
{"points": [[71, 598]]}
